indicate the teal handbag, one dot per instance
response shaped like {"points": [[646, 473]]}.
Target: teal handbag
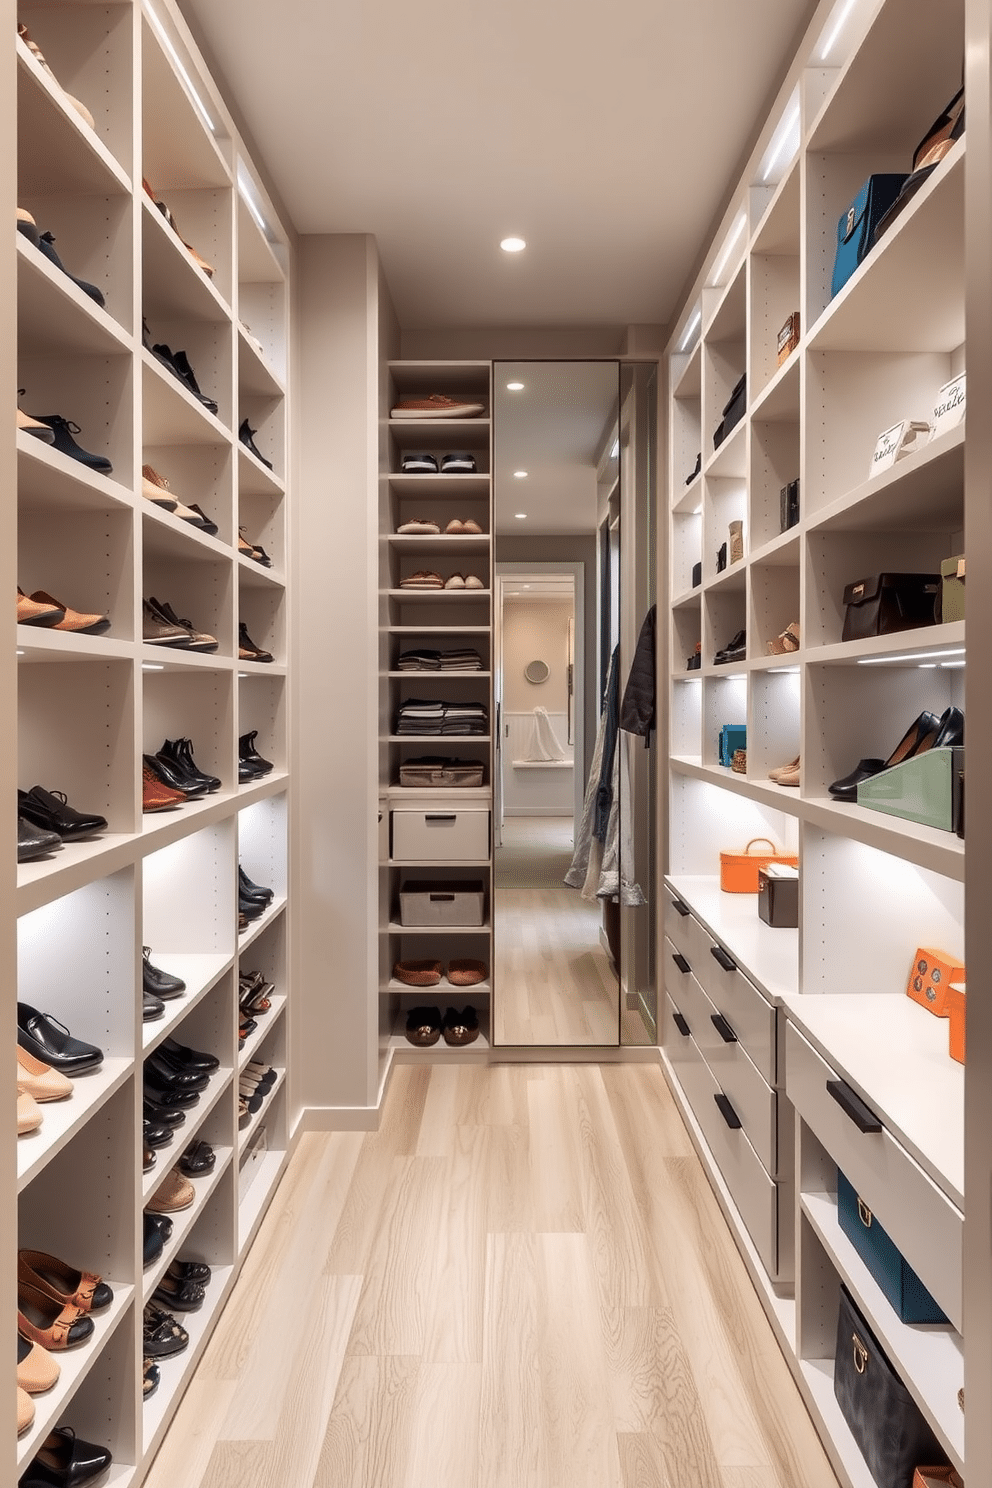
{"points": [[856, 228]]}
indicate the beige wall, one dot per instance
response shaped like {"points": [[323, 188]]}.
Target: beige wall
{"points": [[535, 630]]}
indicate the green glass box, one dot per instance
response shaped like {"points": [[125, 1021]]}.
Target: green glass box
{"points": [[925, 789]]}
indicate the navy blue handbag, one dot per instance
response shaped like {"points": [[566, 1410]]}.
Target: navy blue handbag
{"points": [[856, 228]]}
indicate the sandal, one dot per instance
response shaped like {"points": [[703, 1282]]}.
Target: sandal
{"points": [[786, 642]]}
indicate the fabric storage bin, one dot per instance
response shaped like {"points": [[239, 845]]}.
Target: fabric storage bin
{"points": [[443, 902], [888, 1266], [739, 870], [441, 836], [884, 1419], [856, 227]]}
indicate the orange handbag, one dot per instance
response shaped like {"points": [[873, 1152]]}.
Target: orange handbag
{"points": [[739, 870]]}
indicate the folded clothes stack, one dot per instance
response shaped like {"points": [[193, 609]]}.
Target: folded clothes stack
{"points": [[423, 716], [465, 718], [463, 659], [423, 659]]}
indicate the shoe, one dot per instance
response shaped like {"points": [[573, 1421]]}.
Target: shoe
{"points": [[435, 406], [458, 462], [249, 890], [62, 431], [37, 612], [247, 650], [199, 639], [191, 1059], [419, 527], [254, 994], [199, 1158], [162, 1335], [251, 909], [263, 1074], [161, 1114], [37, 1371], [34, 842], [155, 488], [155, 1135], [207, 523], [174, 776], [200, 262], [472, 581], [784, 769], [250, 755], [25, 1411], [423, 1026], [242, 922], [173, 1194], [171, 1075], [63, 1283], [182, 370], [160, 983], [460, 1028], [734, 651], [157, 631], [154, 795], [252, 1098], [252, 551], [246, 1027], [36, 52], [29, 1113], [467, 973], [425, 973], [29, 425], [162, 1223], [184, 1296], [190, 1271], [846, 789], [151, 1377], [951, 730], [418, 462], [166, 1095], [27, 225], [788, 776], [458, 528], [179, 753], [39, 1079], [246, 435], [422, 579], [249, 771], [64, 1460], [46, 243], [51, 811], [918, 738], [456, 581], [786, 642], [72, 620], [148, 1158], [44, 1037], [54, 1325], [153, 1243]]}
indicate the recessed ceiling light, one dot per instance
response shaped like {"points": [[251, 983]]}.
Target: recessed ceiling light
{"points": [[520, 516], [514, 387], [520, 475], [513, 245], [526, 586]]}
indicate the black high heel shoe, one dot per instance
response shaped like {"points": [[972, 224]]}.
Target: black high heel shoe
{"points": [[919, 737]]}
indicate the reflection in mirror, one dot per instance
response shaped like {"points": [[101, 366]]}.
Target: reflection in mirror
{"points": [[562, 783]]}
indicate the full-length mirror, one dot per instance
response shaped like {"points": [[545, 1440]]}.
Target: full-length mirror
{"points": [[573, 450]]}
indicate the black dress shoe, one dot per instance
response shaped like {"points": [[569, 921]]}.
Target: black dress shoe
{"points": [[179, 753], [167, 1097], [249, 890], [64, 1460], [34, 842], [47, 245], [206, 523], [185, 372], [181, 1295], [164, 1072], [190, 1271], [161, 1114], [735, 650], [49, 1040], [846, 789], [252, 909], [167, 773], [199, 1158], [951, 730], [63, 429], [159, 1222], [191, 1059], [245, 434], [160, 983], [155, 1134], [249, 755], [152, 1007], [51, 811]]}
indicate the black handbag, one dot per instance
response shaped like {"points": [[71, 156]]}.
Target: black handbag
{"points": [[733, 412], [883, 1417], [943, 133], [888, 602]]}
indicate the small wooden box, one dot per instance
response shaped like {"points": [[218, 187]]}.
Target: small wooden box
{"points": [[788, 337], [932, 973], [955, 1010]]}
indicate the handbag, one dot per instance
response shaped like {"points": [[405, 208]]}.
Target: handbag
{"points": [[733, 736], [943, 133], [883, 1417], [888, 602], [733, 412], [430, 770], [856, 227], [739, 870], [886, 1263]]}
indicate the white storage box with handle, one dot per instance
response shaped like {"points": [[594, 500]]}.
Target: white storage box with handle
{"points": [[441, 836]]}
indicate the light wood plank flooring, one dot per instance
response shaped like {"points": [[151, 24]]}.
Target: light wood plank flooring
{"points": [[522, 1280]]}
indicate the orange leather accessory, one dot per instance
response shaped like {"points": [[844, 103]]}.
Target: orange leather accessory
{"points": [[739, 870], [927, 1477], [931, 974], [955, 1013]]}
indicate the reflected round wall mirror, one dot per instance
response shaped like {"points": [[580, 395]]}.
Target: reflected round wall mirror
{"points": [[537, 671]]}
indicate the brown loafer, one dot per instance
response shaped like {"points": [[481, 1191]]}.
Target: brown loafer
{"points": [[460, 1028], [175, 1192], [423, 1026], [418, 973], [467, 973]]}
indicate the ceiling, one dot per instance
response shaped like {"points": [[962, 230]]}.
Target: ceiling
{"points": [[554, 428], [604, 134]]}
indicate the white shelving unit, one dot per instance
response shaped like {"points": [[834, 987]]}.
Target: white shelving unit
{"points": [[867, 82], [440, 620], [89, 707]]}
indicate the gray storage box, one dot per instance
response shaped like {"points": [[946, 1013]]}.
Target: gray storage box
{"points": [[443, 902]]}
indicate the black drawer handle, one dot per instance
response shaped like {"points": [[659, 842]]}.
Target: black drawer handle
{"points": [[680, 908], [681, 1025], [681, 962], [727, 1111], [723, 1028], [853, 1106], [429, 816], [722, 959], [441, 898]]}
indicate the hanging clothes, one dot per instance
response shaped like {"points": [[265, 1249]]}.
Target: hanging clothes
{"points": [[637, 711]]}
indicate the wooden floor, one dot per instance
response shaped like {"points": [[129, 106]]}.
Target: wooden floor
{"points": [[522, 1280]]}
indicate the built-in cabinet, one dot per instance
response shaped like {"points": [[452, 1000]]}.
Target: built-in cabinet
{"points": [[89, 706], [764, 1026]]}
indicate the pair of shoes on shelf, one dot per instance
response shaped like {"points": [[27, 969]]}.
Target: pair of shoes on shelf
{"points": [[37, 54], [251, 765], [253, 899], [925, 733], [176, 362], [161, 626], [436, 406], [252, 550], [246, 1025], [424, 1026], [254, 992], [60, 436], [247, 649], [421, 462], [462, 972], [246, 435], [155, 794], [176, 768], [464, 581], [173, 1194], [65, 1460], [156, 489], [45, 243], [162, 1336], [43, 609], [254, 1084], [735, 650], [54, 1300], [197, 258], [787, 642], [786, 774], [157, 1232], [45, 1039], [39, 1079], [50, 811]]}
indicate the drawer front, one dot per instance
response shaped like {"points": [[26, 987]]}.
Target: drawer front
{"points": [[441, 836], [686, 993], [751, 1096], [748, 1011], [681, 927], [754, 1193], [922, 1222]]}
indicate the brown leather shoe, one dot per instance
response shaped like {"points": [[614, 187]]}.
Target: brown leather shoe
{"points": [[418, 973], [38, 612], [467, 973], [157, 631], [173, 1193], [154, 795], [62, 1282], [54, 1326], [74, 620]]}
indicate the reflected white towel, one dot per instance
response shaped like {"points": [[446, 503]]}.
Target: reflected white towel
{"points": [[543, 740]]}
